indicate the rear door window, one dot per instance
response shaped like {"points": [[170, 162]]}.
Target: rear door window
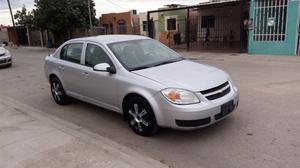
{"points": [[72, 52]]}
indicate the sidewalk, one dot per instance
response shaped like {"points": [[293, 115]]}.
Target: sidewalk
{"points": [[241, 57], [30, 138]]}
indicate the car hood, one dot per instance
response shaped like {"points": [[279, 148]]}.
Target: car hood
{"points": [[186, 75], [2, 50]]}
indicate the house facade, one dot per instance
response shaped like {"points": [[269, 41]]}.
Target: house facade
{"points": [[171, 23], [144, 24], [186, 26], [223, 23], [121, 23], [275, 27]]}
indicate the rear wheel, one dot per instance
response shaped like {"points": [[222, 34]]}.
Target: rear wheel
{"points": [[140, 117], [58, 92]]}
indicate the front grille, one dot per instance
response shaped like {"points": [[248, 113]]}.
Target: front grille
{"points": [[2, 61], [217, 92]]}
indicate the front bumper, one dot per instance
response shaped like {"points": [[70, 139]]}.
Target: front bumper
{"points": [[5, 60], [189, 117]]}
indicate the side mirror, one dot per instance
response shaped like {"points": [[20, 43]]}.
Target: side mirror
{"points": [[105, 67]]}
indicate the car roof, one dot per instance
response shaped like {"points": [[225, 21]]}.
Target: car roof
{"points": [[107, 39]]}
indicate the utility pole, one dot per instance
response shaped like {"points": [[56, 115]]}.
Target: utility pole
{"points": [[90, 18], [13, 22]]}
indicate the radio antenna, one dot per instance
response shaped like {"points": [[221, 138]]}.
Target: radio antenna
{"points": [[48, 51]]}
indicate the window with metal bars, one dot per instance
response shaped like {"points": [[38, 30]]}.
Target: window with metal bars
{"points": [[208, 21], [270, 20], [171, 24]]}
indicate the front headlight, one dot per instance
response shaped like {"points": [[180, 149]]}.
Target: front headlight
{"points": [[233, 84], [7, 53], [180, 96]]}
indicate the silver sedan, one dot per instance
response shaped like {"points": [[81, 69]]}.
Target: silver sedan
{"points": [[5, 56], [150, 84]]}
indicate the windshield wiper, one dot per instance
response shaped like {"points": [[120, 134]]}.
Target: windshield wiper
{"points": [[139, 68], [161, 63], [167, 62]]}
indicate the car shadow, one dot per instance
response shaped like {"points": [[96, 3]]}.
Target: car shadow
{"points": [[5, 66], [164, 133], [210, 130]]}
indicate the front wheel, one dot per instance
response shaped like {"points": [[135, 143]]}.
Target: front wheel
{"points": [[58, 92], [140, 117]]}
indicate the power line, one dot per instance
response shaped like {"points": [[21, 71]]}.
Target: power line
{"points": [[11, 14], [113, 3]]}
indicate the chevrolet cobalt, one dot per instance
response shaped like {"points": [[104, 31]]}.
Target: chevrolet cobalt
{"points": [[150, 84]]}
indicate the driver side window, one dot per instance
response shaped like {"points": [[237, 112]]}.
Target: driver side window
{"points": [[96, 55]]}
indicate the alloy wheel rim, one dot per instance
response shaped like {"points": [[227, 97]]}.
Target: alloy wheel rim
{"points": [[137, 119], [57, 93]]}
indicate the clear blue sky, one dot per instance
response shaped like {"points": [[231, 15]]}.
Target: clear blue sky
{"points": [[102, 6]]}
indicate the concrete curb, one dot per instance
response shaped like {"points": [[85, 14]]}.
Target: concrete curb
{"points": [[121, 152]]}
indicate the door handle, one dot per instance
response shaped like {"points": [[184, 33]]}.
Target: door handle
{"points": [[61, 67], [85, 74]]}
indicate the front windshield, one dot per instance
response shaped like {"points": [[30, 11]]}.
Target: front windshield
{"points": [[141, 54]]}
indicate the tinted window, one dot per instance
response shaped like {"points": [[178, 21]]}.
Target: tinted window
{"points": [[63, 52], [95, 55], [71, 52]]}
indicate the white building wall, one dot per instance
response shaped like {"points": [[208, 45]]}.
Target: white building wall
{"points": [[3, 35], [143, 17]]}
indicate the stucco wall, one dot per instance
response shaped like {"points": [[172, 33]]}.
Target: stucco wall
{"points": [[113, 18]]}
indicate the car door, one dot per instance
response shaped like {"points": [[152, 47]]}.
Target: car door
{"points": [[70, 66], [99, 86]]}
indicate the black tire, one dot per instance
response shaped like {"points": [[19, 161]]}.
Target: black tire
{"points": [[9, 65], [58, 92], [140, 116]]}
